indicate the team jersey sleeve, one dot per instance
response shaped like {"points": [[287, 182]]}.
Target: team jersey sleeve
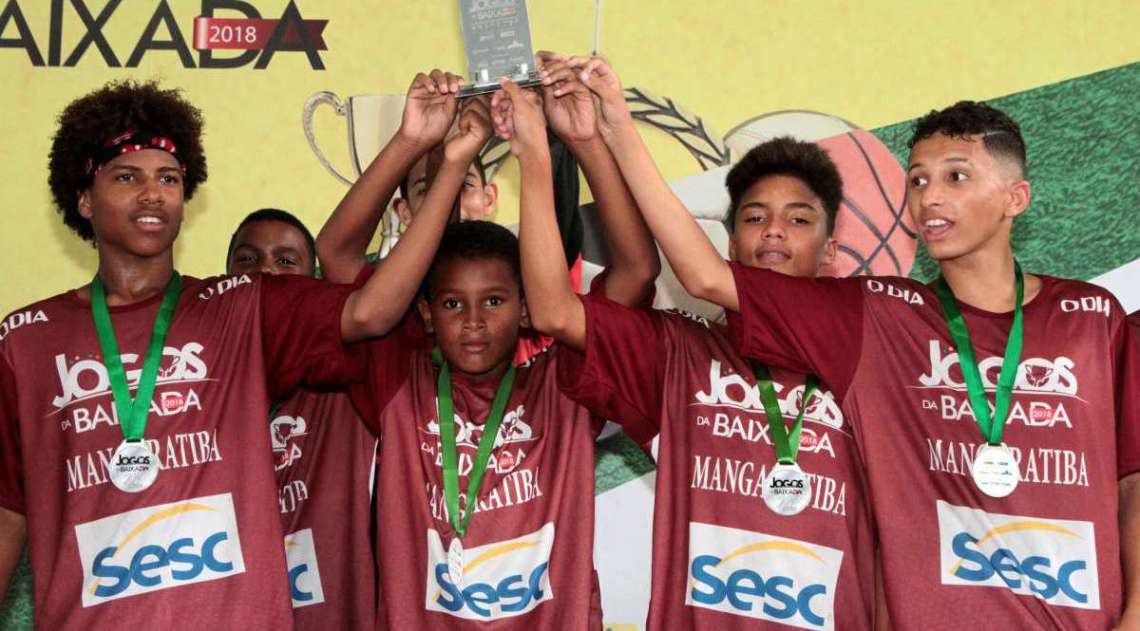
{"points": [[387, 365], [11, 460], [1128, 398], [812, 325], [300, 330], [621, 374]]}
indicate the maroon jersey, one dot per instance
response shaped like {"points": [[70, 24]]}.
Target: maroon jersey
{"points": [[1047, 556], [202, 544], [722, 559], [325, 462], [528, 548]]}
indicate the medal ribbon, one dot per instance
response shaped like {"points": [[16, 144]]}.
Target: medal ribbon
{"points": [[450, 453], [133, 413], [991, 426], [787, 443]]}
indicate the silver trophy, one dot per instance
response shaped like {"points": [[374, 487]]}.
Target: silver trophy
{"points": [[496, 36]]}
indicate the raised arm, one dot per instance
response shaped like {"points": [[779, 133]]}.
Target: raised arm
{"points": [[694, 259], [381, 302], [344, 239], [569, 109], [552, 305]]}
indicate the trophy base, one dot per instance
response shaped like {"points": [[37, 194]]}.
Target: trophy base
{"points": [[529, 80]]}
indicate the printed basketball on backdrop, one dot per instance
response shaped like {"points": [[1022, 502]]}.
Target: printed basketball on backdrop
{"points": [[875, 234]]}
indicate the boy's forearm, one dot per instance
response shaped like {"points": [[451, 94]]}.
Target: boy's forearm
{"points": [[343, 240], [633, 262], [12, 532], [382, 301], [1129, 517], [553, 307], [694, 259]]}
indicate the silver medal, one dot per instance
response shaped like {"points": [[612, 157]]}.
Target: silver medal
{"points": [[786, 489], [133, 466], [995, 470], [455, 562]]}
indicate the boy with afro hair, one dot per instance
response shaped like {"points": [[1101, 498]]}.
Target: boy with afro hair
{"points": [[133, 449]]}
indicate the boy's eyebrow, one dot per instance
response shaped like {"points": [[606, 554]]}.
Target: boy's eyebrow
{"points": [[788, 206], [950, 159]]}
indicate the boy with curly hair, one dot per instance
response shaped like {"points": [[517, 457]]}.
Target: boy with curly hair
{"points": [[133, 449]]}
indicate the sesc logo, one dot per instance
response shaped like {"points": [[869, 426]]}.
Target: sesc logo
{"points": [[304, 574], [159, 547], [759, 576], [1051, 559], [500, 580]]}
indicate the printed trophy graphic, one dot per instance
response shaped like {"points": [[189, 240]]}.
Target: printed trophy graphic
{"points": [[372, 120]]}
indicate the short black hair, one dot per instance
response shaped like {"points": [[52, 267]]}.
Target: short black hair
{"points": [[273, 214], [88, 122], [1001, 135], [475, 240], [479, 167], [785, 155]]}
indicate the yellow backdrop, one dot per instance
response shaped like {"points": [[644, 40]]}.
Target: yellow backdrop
{"points": [[873, 63]]}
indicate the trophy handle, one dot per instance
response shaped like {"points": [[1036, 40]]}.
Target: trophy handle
{"points": [[311, 105]]}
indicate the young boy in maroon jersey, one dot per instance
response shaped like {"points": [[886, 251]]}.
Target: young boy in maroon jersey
{"points": [[485, 491], [159, 508], [324, 458], [722, 559], [1013, 526], [343, 241]]}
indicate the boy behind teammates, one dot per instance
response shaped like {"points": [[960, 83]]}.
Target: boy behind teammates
{"points": [[324, 458], [722, 558], [987, 519]]}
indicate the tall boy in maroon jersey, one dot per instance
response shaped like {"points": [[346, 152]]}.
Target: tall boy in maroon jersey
{"points": [[513, 551], [181, 524], [1049, 554], [324, 459], [722, 559]]}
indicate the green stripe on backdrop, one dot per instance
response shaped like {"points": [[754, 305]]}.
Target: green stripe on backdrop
{"points": [[1083, 137]]}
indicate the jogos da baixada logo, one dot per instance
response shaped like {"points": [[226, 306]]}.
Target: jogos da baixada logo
{"points": [[239, 29], [760, 576], [159, 547], [500, 580], [1051, 559]]}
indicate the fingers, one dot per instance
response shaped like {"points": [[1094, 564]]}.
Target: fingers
{"points": [[544, 57], [437, 82]]}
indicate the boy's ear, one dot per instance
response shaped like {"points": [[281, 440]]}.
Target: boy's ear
{"points": [[425, 313], [524, 316], [490, 198], [403, 211], [85, 204], [829, 250], [1017, 198]]}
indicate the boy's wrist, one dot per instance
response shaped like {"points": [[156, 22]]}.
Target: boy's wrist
{"points": [[534, 157], [409, 142]]}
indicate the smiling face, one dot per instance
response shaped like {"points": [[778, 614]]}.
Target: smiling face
{"points": [[475, 310], [962, 198], [781, 225], [135, 202], [273, 247]]}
